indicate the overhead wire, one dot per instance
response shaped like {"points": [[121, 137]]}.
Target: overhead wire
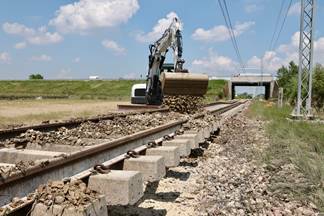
{"points": [[277, 24], [282, 25], [276, 34], [231, 32]]}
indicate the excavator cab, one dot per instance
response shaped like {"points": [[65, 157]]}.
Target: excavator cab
{"points": [[171, 83], [171, 79]]}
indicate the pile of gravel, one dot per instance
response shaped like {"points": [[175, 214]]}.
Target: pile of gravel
{"points": [[184, 103], [199, 123], [65, 194], [82, 135]]}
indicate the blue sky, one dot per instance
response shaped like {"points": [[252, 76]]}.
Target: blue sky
{"points": [[74, 39]]}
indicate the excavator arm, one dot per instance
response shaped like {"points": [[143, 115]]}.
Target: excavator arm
{"points": [[156, 83]]}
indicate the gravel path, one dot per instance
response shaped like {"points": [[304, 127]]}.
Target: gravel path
{"points": [[228, 179]]}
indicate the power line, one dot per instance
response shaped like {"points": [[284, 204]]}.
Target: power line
{"points": [[277, 23], [275, 37], [282, 25], [229, 26], [233, 34]]}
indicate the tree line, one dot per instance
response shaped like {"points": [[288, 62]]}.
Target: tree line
{"points": [[288, 80]]}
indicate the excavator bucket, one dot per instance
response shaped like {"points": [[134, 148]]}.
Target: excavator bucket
{"points": [[184, 84]]}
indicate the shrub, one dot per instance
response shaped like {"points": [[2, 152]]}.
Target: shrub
{"points": [[36, 77]]}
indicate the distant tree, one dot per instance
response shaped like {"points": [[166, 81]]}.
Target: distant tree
{"points": [[286, 73], [36, 77], [288, 80], [244, 95], [318, 86]]}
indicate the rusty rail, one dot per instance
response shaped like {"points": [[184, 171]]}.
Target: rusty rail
{"points": [[77, 157], [9, 133]]}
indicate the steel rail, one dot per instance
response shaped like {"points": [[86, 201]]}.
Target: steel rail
{"points": [[9, 133], [102, 147], [59, 168], [75, 162]]}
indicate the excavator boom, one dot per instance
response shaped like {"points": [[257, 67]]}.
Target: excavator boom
{"points": [[176, 82]]}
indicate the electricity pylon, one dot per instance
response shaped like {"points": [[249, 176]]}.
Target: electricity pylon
{"points": [[303, 107]]}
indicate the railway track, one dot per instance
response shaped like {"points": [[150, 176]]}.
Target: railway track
{"points": [[9, 133], [79, 164]]}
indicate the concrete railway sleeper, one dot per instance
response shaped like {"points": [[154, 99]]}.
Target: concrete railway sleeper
{"points": [[111, 168]]}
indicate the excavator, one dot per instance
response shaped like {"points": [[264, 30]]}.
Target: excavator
{"points": [[168, 79]]}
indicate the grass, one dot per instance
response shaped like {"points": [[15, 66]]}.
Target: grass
{"points": [[84, 89], [299, 143], [215, 90], [80, 98], [80, 89]]}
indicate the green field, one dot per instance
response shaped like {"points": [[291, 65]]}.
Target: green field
{"points": [[215, 90], [83, 89], [79, 89]]}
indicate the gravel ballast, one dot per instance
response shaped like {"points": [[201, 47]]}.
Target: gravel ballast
{"points": [[228, 179]]}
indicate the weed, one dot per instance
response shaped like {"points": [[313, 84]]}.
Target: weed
{"points": [[299, 143]]}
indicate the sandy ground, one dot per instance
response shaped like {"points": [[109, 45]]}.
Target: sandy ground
{"points": [[35, 111]]}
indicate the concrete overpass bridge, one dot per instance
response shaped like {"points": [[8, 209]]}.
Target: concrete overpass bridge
{"points": [[266, 80]]}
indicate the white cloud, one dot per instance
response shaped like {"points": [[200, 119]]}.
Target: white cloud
{"points": [[114, 46], [319, 51], [20, 45], [294, 9], [158, 29], [5, 58], [18, 29], [290, 48], [88, 14], [250, 8], [42, 57], [77, 60], [285, 53], [33, 36], [215, 64], [272, 60], [220, 33]]}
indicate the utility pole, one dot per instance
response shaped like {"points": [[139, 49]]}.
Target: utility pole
{"points": [[303, 107], [261, 84], [280, 98]]}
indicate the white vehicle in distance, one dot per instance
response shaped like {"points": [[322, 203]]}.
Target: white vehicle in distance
{"points": [[94, 78]]}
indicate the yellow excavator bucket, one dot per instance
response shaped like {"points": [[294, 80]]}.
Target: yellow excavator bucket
{"points": [[184, 83]]}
